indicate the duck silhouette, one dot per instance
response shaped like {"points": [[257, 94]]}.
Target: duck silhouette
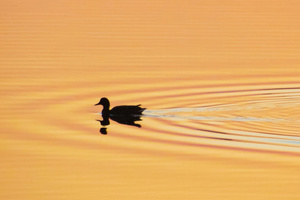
{"points": [[123, 110], [124, 114]]}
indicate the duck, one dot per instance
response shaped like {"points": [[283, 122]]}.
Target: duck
{"points": [[123, 110]]}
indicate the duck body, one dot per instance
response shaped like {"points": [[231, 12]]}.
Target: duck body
{"points": [[124, 110]]}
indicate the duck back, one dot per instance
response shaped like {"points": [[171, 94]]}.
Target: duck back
{"points": [[127, 110]]}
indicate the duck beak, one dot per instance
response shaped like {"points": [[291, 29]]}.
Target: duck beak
{"points": [[97, 104]]}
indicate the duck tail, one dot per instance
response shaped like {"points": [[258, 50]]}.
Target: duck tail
{"points": [[140, 109]]}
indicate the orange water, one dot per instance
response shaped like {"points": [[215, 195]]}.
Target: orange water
{"points": [[220, 81]]}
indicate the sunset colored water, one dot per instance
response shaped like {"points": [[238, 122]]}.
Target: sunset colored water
{"points": [[220, 81]]}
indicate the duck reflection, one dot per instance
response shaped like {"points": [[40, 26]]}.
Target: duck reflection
{"points": [[103, 131], [121, 119]]}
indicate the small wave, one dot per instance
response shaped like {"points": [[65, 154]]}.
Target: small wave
{"points": [[162, 114]]}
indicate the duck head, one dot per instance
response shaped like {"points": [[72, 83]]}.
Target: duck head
{"points": [[104, 102]]}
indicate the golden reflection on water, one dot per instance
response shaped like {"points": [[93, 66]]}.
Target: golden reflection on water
{"points": [[220, 81]]}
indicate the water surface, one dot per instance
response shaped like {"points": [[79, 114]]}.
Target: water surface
{"points": [[220, 82]]}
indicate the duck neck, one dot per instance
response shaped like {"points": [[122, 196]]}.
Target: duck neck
{"points": [[105, 111]]}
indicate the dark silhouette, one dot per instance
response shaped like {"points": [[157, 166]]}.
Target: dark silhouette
{"points": [[124, 114], [119, 110], [105, 121]]}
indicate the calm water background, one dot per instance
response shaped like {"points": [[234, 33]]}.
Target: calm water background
{"points": [[220, 80]]}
